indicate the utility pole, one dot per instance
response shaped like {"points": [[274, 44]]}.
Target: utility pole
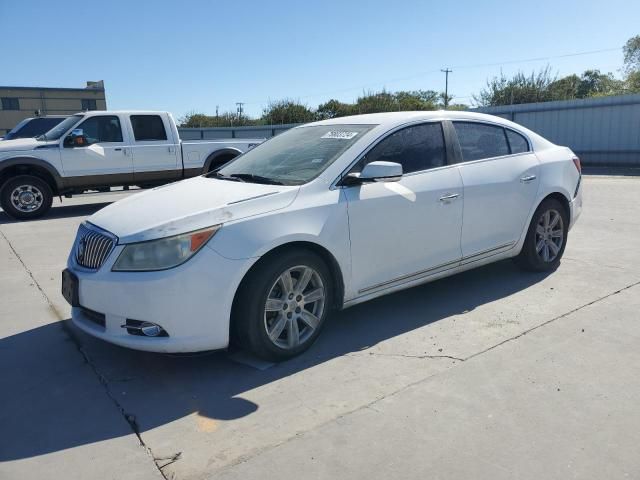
{"points": [[217, 118], [446, 72], [239, 104]]}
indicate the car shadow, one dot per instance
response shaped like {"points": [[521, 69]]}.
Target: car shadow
{"points": [[62, 211], [52, 402]]}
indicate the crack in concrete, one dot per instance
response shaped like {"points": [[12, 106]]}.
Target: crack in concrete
{"points": [[128, 417], [370, 405], [543, 324], [407, 355]]}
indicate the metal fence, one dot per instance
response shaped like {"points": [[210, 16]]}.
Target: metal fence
{"points": [[260, 131], [604, 131]]}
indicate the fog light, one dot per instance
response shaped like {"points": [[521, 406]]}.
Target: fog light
{"points": [[144, 329], [150, 329]]}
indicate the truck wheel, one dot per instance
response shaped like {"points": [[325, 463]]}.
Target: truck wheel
{"points": [[25, 197]]}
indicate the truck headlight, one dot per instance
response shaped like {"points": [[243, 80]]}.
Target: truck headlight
{"points": [[163, 253]]}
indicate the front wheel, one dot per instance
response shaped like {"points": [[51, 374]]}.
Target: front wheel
{"points": [[25, 197], [546, 238], [282, 305]]}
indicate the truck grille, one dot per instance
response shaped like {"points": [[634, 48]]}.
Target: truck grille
{"points": [[92, 247]]}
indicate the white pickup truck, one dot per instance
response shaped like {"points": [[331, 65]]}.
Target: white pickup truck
{"points": [[100, 149]]}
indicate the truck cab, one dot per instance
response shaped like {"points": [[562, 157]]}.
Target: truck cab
{"points": [[101, 149]]}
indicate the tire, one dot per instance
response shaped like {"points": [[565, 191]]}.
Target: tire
{"points": [[288, 313], [26, 197], [546, 238]]}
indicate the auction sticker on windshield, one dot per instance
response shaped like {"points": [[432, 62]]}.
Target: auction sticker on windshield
{"points": [[340, 135]]}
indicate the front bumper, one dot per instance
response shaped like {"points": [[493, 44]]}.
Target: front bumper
{"points": [[191, 302]]}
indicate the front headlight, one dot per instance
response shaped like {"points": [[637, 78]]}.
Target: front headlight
{"points": [[163, 253]]}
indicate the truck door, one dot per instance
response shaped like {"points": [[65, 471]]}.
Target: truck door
{"points": [[102, 157], [155, 152]]}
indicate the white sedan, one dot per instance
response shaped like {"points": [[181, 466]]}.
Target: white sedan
{"points": [[321, 217]]}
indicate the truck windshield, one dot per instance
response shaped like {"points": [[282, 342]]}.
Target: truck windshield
{"points": [[56, 132], [296, 156]]}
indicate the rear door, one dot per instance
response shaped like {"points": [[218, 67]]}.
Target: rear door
{"points": [[104, 159], [155, 151], [402, 231], [500, 177]]}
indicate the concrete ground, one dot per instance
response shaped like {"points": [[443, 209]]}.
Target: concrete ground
{"points": [[492, 374]]}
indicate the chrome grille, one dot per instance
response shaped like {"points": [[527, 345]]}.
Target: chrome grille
{"points": [[92, 247]]}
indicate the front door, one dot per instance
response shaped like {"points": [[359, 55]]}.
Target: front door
{"points": [[405, 230], [103, 159]]}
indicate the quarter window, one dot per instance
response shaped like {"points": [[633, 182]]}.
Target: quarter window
{"points": [[517, 142], [479, 140], [101, 129], [416, 148], [148, 127]]}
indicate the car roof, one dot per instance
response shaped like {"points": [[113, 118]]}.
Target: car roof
{"points": [[390, 120]]}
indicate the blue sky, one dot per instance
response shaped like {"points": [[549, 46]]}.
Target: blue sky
{"points": [[194, 55]]}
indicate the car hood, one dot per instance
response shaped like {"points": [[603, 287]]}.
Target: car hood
{"points": [[19, 144], [189, 205]]}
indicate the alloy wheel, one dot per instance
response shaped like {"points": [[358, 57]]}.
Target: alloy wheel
{"points": [[294, 307], [549, 235]]}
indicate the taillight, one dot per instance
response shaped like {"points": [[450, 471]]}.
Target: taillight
{"points": [[576, 162]]}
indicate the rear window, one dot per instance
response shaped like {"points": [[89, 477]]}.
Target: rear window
{"points": [[148, 127]]}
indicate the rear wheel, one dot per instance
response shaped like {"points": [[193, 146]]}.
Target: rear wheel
{"points": [[282, 305], [25, 197], [546, 238]]}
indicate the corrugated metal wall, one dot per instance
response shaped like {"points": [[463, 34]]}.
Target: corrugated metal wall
{"points": [[603, 131]]}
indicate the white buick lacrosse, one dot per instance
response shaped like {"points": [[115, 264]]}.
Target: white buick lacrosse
{"points": [[321, 217]]}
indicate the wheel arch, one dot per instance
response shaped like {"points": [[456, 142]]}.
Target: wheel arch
{"points": [[331, 261], [31, 166], [219, 158], [560, 197]]}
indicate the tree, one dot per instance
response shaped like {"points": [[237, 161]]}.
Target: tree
{"points": [[631, 51], [286, 111], [334, 108], [520, 88], [226, 119]]}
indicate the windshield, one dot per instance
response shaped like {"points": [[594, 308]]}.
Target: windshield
{"points": [[296, 156], [56, 132]]}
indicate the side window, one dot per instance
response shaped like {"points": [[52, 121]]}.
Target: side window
{"points": [[517, 142], [415, 148], [101, 129], [479, 140], [10, 103], [148, 127]]}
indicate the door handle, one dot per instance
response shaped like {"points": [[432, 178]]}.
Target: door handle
{"points": [[448, 197], [528, 178], [117, 149]]}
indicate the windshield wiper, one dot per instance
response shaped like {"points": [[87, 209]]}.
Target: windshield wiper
{"points": [[255, 178], [219, 175]]}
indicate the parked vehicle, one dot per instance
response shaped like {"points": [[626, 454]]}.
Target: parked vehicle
{"points": [[323, 216], [32, 127], [99, 149]]}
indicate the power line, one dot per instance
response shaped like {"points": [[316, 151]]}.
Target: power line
{"points": [[457, 67]]}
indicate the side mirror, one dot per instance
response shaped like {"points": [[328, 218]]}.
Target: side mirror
{"points": [[76, 138], [376, 172]]}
